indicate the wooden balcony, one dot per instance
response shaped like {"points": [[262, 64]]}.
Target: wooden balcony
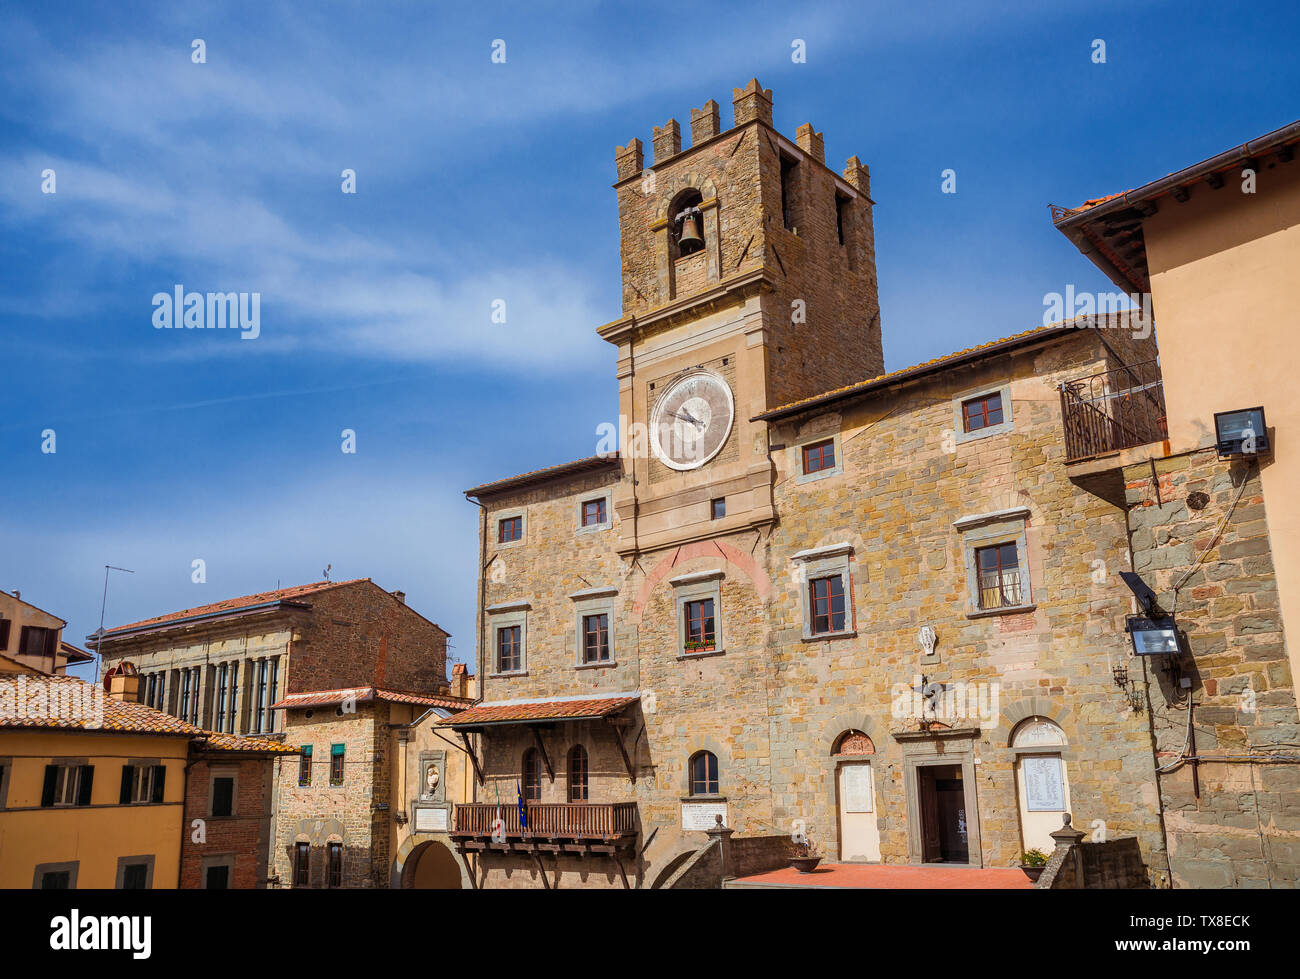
{"points": [[579, 827]]}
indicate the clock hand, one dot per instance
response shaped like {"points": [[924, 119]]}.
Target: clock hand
{"points": [[687, 417]]}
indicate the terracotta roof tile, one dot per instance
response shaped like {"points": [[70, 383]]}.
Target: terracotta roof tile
{"points": [[540, 475], [233, 604], [231, 742], [326, 698], [541, 710], [67, 703]]}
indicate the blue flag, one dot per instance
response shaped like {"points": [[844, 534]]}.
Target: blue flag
{"points": [[523, 813]]}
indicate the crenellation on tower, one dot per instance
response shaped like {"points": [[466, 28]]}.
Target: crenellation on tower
{"points": [[704, 123], [629, 160], [811, 142], [753, 102]]}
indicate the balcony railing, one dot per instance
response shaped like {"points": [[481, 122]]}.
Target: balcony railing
{"points": [[1113, 410], [555, 821]]}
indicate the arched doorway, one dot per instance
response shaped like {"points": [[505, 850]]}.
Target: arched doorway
{"points": [[431, 866], [853, 752]]}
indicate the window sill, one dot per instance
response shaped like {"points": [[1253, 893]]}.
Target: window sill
{"points": [[601, 665], [705, 654], [812, 477], [820, 636], [704, 798], [985, 613], [510, 673]]}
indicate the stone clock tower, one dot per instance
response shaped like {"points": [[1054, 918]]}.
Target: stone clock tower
{"points": [[749, 282]]}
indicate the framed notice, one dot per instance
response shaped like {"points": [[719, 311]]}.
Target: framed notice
{"points": [[857, 788], [430, 819], [1044, 784], [703, 815]]}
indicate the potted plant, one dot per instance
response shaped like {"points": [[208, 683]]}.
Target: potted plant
{"points": [[699, 645], [806, 858], [1032, 862]]}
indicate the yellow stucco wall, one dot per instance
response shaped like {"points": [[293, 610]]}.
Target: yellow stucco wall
{"points": [[96, 835], [1223, 269]]}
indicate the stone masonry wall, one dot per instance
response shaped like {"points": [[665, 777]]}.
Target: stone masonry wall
{"points": [[1243, 829]]}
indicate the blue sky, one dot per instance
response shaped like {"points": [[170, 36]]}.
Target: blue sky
{"points": [[479, 181]]}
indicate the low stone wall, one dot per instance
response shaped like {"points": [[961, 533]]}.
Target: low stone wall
{"points": [[1076, 865], [724, 858]]}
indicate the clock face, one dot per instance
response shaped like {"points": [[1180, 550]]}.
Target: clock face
{"points": [[691, 420]]}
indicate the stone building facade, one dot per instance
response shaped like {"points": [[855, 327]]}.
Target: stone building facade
{"points": [[774, 605]]}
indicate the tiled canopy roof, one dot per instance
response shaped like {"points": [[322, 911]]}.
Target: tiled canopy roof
{"points": [[243, 603], [540, 710], [67, 703], [326, 698], [232, 742]]}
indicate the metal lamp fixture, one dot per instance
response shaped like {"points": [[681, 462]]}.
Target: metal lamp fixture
{"points": [[1240, 432]]}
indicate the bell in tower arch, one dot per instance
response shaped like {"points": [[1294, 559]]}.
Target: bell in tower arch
{"points": [[691, 240]]}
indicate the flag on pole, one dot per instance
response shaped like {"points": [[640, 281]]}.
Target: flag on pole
{"points": [[523, 813]]}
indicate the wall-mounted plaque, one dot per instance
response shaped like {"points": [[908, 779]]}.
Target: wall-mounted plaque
{"points": [[430, 819], [857, 788], [703, 815], [1044, 784]]}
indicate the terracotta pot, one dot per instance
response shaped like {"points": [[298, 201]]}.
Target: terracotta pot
{"points": [[1033, 873], [805, 865]]}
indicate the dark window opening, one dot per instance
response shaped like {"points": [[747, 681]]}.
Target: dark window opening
{"points": [[718, 508], [578, 774], [135, 877], [532, 776], [301, 864], [217, 878], [998, 568], [687, 224], [704, 773], [335, 864], [787, 192], [56, 880], [841, 211], [982, 412], [223, 797]]}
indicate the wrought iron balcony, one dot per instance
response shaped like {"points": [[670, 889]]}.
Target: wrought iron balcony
{"points": [[576, 826], [1114, 410]]}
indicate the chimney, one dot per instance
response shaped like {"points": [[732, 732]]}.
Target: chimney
{"points": [[704, 122], [462, 682], [752, 102], [811, 142], [124, 687], [667, 141], [629, 159], [400, 596]]}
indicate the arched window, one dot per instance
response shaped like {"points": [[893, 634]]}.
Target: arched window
{"points": [[704, 773], [532, 778], [578, 774], [685, 214]]}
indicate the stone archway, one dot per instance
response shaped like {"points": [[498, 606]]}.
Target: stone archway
{"points": [[429, 863]]}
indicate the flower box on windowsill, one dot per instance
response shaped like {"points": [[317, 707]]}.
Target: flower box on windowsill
{"points": [[696, 648]]}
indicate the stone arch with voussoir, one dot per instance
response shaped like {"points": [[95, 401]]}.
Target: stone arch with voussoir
{"points": [[413, 848], [687, 181], [1048, 708]]}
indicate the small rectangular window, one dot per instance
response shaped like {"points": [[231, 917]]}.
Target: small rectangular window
{"points": [[841, 207], [595, 638], [336, 764], [67, 785], [301, 864], [826, 604], [217, 878], [335, 855], [819, 456], [304, 766], [135, 877], [984, 411], [509, 651], [718, 508], [998, 570], [223, 796], [787, 192], [4, 634], [593, 513], [510, 529], [700, 632], [56, 880]]}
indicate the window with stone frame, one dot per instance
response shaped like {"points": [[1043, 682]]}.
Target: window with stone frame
{"points": [[704, 773], [304, 766], [302, 865], [997, 561], [510, 529], [334, 864], [336, 764], [998, 569], [982, 411], [827, 595], [701, 634], [826, 604], [223, 796], [595, 638], [594, 512], [509, 649], [819, 456]]}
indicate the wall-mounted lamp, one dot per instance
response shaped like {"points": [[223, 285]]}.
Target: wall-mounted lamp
{"points": [[1240, 432], [1153, 634]]}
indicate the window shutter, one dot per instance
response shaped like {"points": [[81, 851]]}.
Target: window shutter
{"points": [[87, 780], [47, 793], [127, 772], [51, 642], [159, 781], [4, 634]]}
